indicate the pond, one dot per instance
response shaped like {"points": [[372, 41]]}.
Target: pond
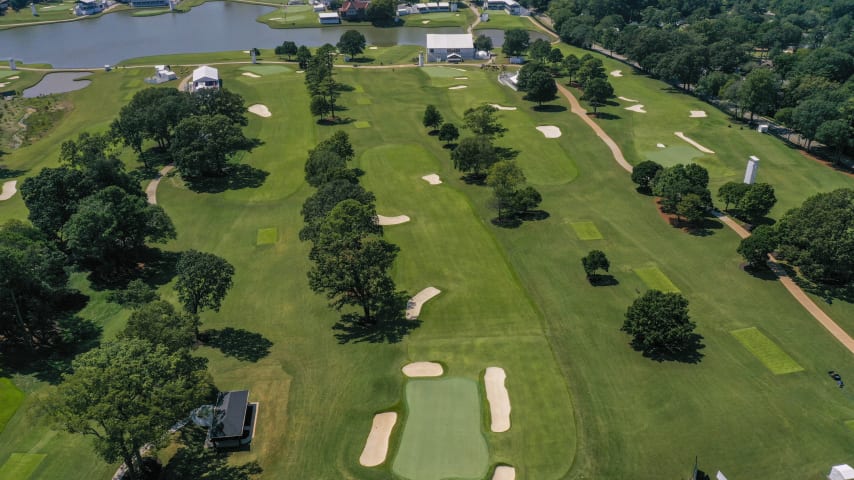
{"points": [[58, 83]]}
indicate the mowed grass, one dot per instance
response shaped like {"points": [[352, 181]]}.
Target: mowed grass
{"points": [[586, 230], [362, 124], [442, 435], [766, 351], [267, 236], [655, 279], [20, 466], [10, 399], [266, 69]]}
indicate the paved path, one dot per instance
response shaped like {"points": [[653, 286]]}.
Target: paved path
{"points": [[151, 189]]}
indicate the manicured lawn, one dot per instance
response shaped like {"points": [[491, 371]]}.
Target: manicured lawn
{"points": [[362, 123], [20, 466], [267, 236], [655, 279], [10, 399], [442, 435], [266, 69], [586, 230], [766, 351], [501, 20], [291, 16]]}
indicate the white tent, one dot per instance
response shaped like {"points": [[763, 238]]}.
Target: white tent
{"points": [[841, 472]]}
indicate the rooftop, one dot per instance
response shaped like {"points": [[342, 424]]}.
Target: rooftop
{"points": [[461, 40], [229, 414], [205, 72]]}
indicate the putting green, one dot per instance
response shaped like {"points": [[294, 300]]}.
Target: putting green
{"points": [[443, 72], [266, 69], [763, 348], [362, 124], [442, 436], [267, 236], [586, 231], [8, 73], [655, 279], [672, 155], [10, 399], [20, 466]]}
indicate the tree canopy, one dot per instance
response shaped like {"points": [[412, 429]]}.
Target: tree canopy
{"points": [[659, 324], [481, 121], [327, 196], [593, 261], [474, 154], [203, 280], [483, 43], [351, 43], [448, 133], [673, 183], [159, 323], [432, 117], [597, 91], [516, 41], [644, 173], [204, 144]]}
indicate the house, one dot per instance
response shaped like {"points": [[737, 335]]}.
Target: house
{"points": [[329, 18], [453, 48], [205, 77], [149, 3], [510, 6], [89, 7], [232, 420], [354, 9]]}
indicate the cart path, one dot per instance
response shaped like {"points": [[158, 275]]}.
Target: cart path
{"points": [[151, 189]]}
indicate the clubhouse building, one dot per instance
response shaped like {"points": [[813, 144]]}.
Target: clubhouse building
{"points": [[452, 48]]}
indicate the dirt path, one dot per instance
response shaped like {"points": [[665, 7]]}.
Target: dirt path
{"points": [[151, 189]]}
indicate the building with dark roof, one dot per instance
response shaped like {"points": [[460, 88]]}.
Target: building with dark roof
{"points": [[233, 420]]}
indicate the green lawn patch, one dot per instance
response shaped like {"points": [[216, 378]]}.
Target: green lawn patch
{"points": [[655, 279], [849, 424], [763, 348], [362, 124], [672, 155], [364, 101], [267, 236], [442, 437], [8, 73], [443, 72], [20, 466], [10, 399], [266, 69], [586, 231]]}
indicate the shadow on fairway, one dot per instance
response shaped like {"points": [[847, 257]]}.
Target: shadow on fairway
{"points": [[598, 280], [762, 272], [8, 172], [690, 352], [389, 325], [237, 176], [193, 460], [516, 221], [606, 116], [238, 343], [704, 228], [549, 108]]}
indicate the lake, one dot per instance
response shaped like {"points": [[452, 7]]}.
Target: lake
{"points": [[58, 83]]}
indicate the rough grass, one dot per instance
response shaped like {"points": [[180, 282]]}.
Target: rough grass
{"points": [[766, 351], [586, 230], [655, 279], [267, 236], [10, 399], [20, 466]]}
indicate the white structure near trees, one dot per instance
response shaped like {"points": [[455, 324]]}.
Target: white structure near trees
{"points": [[752, 168], [205, 77], [510, 6], [452, 48], [329, 18], [841, 472]]}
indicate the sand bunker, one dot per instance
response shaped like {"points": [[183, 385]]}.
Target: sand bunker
{"points": [[372, 48], [376, 447], [432, 179], [381, 220], [251, 75], [501, 107], [3, 84], [425, 21], [458, 87], [499, 400], [151, 189], [660, 145], [698, 114], [461, 78], [628, 99], [15, 77], [260, 110], [504, 472], [550, 131], [423, 369], [9, 189], [413, 306], [636, 108], [300, 71], [617, 73], [695, 144]]}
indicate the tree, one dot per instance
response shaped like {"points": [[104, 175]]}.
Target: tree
{"points": [[540, 49], [126, 394], [352, 261], [352, 43], [659, 324], [432, 117], [589, 69], [672, 183], [756, 202], [474, 154], [481, 121], [203, 280], [382, 11], [448, 133], [204, 144], [838, 134], [483, 43], [110, 228], [816, 237], [810, 114], [160, 324], [595, 260], [319, 106], [756, 247], [303, 57], [339, 143], [692, 207], [555, 56], [571, 64], [732, 192], [516, 41], [523, 79], [51, 197], [220, 101], [597, 92], [323, 166], [153, 112], [759, 91], [541, 88], [287, 48], [505, 177], [327, 196], [644, 173], [91, 155], [136, 294]]}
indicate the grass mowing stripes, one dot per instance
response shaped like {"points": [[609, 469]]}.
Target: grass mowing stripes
{"points": [[763, 348], [362, 100], [362, 124], [266, 69], [586, 231], [20, 466], [267, 236], [10, 399], [655, 279]]}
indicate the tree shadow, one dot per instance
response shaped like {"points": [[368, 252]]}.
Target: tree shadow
{"points": [[390, 324], [644, 190], [534, 215], [193, 460], [154, 266], [474, 178], [10, 172], [828, 293], [508, 221], [237, 177], [606, 280], [343, 87], [607, 116], [358, 60], [703, 228], [238, 343], [328, 122], [506, 153], [549, 108], [450, 146], [689, 353]]}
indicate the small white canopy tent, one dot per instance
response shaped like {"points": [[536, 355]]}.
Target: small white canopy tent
{"points": [[841, 472]]}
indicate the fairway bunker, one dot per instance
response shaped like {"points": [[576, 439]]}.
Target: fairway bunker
{"points": [[660, 145], [372, 48], [501, 107], [376, 446], [413, 306], [504, 472], [250, 75], [695, 144], [9, 189], [461, 78], [442, 436], [432, 179], [628, 99], [636, 108], [549, 131], [260, 110], [617, 73], [381, 220], [423, 369], [458, 87], [499, 399], [698, 114]]}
